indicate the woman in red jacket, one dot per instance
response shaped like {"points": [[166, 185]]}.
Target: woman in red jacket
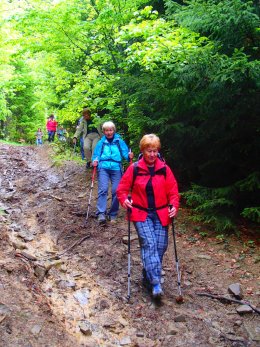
{"points": [[51, 127], [154, 201]]}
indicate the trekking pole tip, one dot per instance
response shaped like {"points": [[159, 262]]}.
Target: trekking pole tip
{"points": [[179, 299]]}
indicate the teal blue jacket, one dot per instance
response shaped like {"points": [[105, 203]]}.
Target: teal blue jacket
{"points": [[110, 154]]}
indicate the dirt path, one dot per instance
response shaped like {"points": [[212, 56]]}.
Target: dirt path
{"points": [[79, 298]]}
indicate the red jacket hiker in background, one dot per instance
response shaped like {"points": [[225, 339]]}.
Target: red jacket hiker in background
{"points": [[51, 127], [153, 202]]}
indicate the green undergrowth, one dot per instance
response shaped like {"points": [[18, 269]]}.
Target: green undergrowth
{"points": [[13, 143], [62, 152], [221, 207]]}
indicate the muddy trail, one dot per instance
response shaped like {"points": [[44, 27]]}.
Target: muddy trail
{"points": [[63, 282]]}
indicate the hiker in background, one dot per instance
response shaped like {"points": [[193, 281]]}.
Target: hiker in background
{"points": [[61, 133], [51, 127], [81, 141], [91, 135], [108, 156], [154, 201], [39, 136]]}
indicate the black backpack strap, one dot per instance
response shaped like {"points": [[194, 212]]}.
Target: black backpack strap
{"points": [[135, 173]]}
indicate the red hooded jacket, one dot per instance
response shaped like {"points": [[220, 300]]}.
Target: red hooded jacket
{"points": [[164, 186]]}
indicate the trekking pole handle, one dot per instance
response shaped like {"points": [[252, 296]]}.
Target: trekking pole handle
{"points": [[94, 173], [174, 238], [171, 206], [128, 208], [129, 253]]}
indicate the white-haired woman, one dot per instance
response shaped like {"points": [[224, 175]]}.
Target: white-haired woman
{"points": [[109, 152]]}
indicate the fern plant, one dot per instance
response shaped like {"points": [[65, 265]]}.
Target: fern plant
{"points": [[212, 206], [221, 207], [252, 213]]}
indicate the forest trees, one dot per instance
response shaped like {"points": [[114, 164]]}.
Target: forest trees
{"points": [[188, 71], [229, 117]]}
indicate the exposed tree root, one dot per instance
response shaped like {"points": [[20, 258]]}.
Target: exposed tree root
{"points": [[224, 298]]}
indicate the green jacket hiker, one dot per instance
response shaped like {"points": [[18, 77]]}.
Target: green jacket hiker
{"points": [[91, 135]]}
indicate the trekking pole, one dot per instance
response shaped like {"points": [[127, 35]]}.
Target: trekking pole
{"points": [[179, 299], [129, 254], [91, 189]]}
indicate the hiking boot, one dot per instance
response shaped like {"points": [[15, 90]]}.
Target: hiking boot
{"points": [[112, 219], [157, 291], [101, 219]]}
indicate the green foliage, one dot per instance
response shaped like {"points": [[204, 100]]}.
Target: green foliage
{"points": [[220, 237], [190, 74], [248, 190], [212, 206], [62, 151], [203, 234], [252, 213], [251, 243], [2, 211], [12, 143], [250, 183], [232, 23], [219, 206]]}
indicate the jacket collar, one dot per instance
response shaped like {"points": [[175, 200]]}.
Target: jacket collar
{"points": [[117, 137], [157, 165]]}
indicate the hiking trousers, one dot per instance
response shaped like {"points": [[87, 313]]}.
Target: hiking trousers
{"points": [[90, 142], [51, 135], [105, 177], [153, 239]]}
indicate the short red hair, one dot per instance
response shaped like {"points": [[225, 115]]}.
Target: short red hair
{"points": [[150, 140]]}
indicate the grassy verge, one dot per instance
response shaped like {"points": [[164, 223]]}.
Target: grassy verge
{"points": [[14, 143]]}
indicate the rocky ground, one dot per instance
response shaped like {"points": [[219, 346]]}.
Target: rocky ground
{"points": [[63, 281]]}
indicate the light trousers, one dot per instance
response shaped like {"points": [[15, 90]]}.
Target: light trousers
{"points": [[90, 142], [105, 177]]}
